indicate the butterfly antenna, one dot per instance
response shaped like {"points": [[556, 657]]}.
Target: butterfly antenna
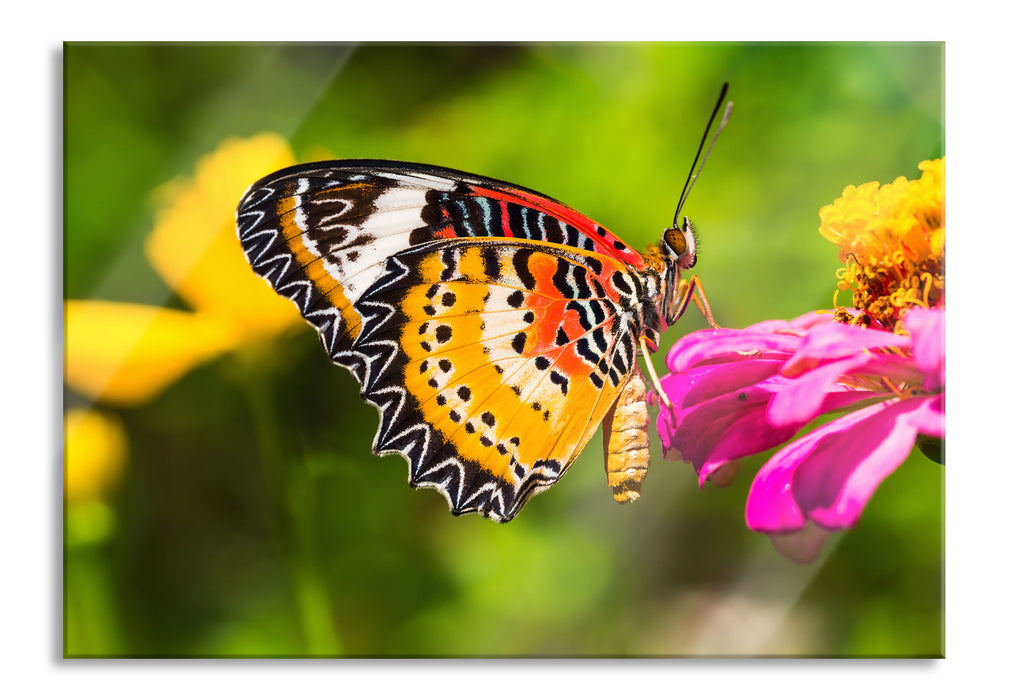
{"points": [[692, 175]]}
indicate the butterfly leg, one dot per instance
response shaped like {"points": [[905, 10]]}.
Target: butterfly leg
{"points": [[652, 374], [692, 289]]}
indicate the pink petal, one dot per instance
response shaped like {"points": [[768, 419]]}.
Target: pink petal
{"points": [[801, 398], [932, 418], [726, 344], [770, 506], [804, 546], [729, 436], [834, 495], [724, 475], [734, 425], [837, 340], [928, 336], [748, 433], [830, 474], [665, 426], [704, 383], [800, 324]]}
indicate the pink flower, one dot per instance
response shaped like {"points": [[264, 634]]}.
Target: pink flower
{"points": [[735, 393]]}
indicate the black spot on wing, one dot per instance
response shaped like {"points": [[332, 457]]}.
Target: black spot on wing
{"points": [[449, 261], [517, 220], [491, 264], [521, 263], [594, 265], [554, 232], [584, 349], [519, 342], [560, 380], [621, 284]]}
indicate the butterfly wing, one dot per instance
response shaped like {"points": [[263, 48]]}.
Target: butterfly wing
{"points": [[489, 324]]}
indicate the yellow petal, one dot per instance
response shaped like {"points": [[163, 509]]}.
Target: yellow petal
{"points": [[194, 246], [94, 445], [128, 353]]}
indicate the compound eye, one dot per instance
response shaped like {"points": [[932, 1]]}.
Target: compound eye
{"points": [[676, 241]]}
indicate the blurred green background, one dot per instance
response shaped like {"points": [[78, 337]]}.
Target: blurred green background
{"points": [[251, 517]]}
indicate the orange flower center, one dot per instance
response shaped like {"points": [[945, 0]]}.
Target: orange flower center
{"points": [[892, 240]]}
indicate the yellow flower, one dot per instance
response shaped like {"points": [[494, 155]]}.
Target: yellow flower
{"points": [[94, 456], [892, 240], [128, 353], [94, 452]]}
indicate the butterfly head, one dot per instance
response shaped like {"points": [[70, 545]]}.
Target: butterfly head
{"points": [[680, 246], [676, 252]]}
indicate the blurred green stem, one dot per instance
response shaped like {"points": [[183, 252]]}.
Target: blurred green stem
{"points": [[293, 485], [91, 623]]}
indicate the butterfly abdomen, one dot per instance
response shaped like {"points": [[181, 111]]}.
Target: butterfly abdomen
{"points": [[625, 439]]}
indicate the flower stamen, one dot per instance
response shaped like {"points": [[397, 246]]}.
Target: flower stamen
{"points": [[892, 243]]}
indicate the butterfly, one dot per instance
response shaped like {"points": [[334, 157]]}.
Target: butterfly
{"points": [[493, 327]]}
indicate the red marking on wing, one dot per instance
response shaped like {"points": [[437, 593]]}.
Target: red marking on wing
{"points": [[606, 243], [553, 315], [444, 231]]}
